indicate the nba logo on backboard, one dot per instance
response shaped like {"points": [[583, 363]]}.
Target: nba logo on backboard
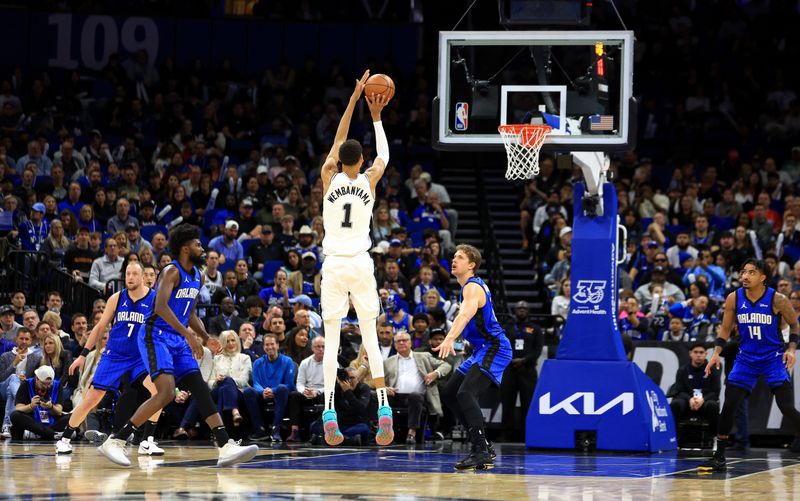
{"points": [[462, 116]]}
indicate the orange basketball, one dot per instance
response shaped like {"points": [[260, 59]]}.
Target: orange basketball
{"points": [[379, 84]]}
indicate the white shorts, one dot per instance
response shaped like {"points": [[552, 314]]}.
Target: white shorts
{"points": [[346, 278]]}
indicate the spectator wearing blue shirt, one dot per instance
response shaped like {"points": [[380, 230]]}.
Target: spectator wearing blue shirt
{"points": [[713, 273], [33, 232], [279, 294], [229, 249], [692, 313], [632, 322], [44, 165], [73, 202], [432, 215], [273, 380]]}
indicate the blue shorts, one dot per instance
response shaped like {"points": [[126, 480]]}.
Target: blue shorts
{"points": [[492, 358], [746, 371], [165, 352], [113, 366]]}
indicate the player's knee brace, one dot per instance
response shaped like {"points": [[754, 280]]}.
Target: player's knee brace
{"points": [[200, 392]]}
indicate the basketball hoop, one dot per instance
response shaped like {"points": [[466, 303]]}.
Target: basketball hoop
{"points": [[523, 142]]}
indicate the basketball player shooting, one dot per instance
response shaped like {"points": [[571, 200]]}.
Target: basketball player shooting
{"points": [[128, 309], [757, 311], [490, 356], [348, 271], [170, 350]]}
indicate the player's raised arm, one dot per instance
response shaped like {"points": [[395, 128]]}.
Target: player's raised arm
{"points": [[330, 166], [376, 103], [473, 294], [725, 331], [786, 311], [100, 326]]}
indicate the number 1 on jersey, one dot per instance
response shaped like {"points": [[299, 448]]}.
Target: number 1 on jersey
{"points": [[754, 331], [346, 223]]}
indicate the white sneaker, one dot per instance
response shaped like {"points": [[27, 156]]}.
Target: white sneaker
{"points": [[94, 436], [6, 433], [114, 450], [150, 448], [232, 453], [63, 447]]}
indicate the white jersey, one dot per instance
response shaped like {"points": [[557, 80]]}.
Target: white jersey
{"points": [[347, 214]]}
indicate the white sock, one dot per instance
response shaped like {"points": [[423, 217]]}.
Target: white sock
{"points": [[333, 332], [369, 337], [150, 439]]}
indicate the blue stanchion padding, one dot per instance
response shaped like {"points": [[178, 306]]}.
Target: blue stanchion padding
{"points": [[614, 399], [591, 332]]}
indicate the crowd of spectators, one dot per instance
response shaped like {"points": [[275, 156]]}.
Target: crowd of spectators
{"points": [[713, 180]]}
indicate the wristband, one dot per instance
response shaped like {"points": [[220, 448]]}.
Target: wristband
{"points": [[794, 338], [84, 352], [721, 342]]}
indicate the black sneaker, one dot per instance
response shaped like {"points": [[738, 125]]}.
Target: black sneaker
{"points": [[715, 463], [476, 461], [259, 434], [490, 447]]}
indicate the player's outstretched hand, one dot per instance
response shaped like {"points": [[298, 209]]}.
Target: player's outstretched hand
{"points": [[197, 347], [445, 349], [714, 362], [360, 86], [376, 103], [77, 364], [789, 359]]}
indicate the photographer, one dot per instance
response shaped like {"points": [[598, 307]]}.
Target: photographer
{"points": [[352, 402], [39, 406]]}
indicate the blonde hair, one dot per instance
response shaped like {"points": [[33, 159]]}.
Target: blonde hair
{"points": [[473, 255], [223, 340], [55, 361], [53, 319], [432, 292]]}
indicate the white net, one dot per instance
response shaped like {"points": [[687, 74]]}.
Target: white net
{"points": [[523, 143]]}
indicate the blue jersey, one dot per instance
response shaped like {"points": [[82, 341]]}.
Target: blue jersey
{"points": [[482, 328], [182, 300], [128, 317], [759, 326]]}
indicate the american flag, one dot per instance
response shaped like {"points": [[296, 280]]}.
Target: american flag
{"points": [[601, 122]]}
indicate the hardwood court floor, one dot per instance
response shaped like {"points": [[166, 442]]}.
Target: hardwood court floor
{"points": [[32, 471]]}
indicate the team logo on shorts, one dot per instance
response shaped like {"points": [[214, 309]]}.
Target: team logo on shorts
{"points": [[589, 291]]}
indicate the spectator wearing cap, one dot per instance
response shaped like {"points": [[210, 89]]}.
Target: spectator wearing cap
{"points": [[564, 241], [39, 406], [146, 213], [407, 261], [659, 275], [78, 257], [305, 242], [396, 316], [644, 260], [229, 249], [248, 225], [304, 303], [107, 267], [16, 366], [694, 393], [135, 240], [306, 280], [683, 243], [266, 249], [8, 325], [527, 340], [120, 221], [33, 232]]}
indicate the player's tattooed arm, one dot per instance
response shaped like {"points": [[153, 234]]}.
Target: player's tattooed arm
{"points": [[786, 311]]}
